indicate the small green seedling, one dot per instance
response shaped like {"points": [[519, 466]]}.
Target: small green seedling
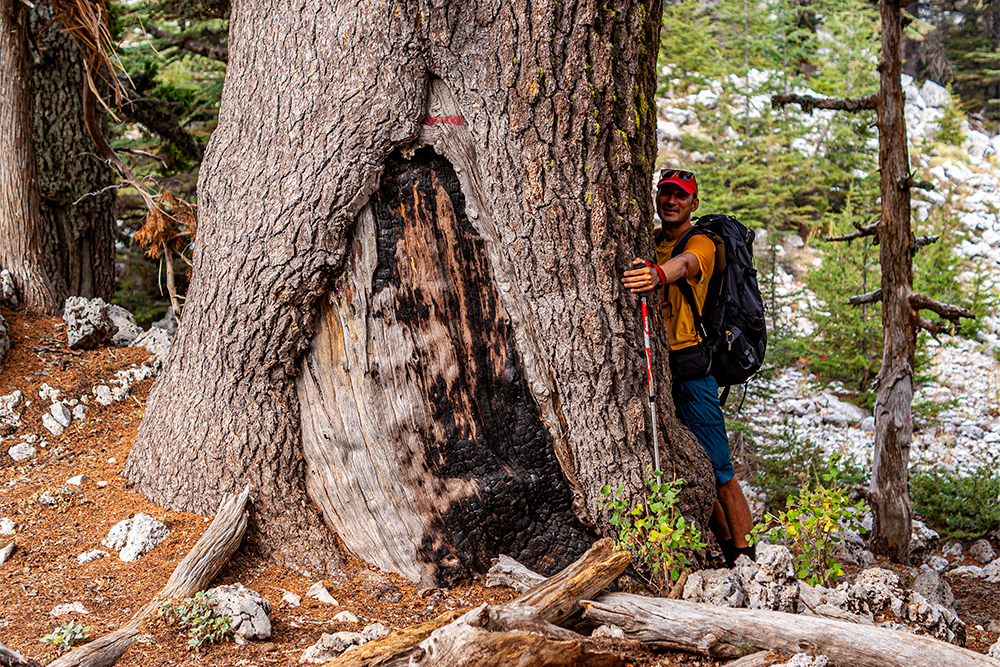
{"points": [[65, 636], [195, 615]]}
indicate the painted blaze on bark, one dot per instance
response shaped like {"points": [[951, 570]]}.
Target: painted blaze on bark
{"points": [[476, 473]]}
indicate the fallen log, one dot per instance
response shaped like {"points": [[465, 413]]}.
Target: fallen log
{"points": [[11, 658], [720, 632], [194, 573], [480, 637]]}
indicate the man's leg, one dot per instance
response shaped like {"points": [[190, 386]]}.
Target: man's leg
{"points": [[737, 511]]}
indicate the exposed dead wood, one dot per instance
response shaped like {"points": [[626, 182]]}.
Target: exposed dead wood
{"points": [[868, 297], [508, 572], [496, 636], [921, 241], [862, 232], [758, 659], [720, 632], [945, 310], [11, 658], [808, 103], [194, 573]]}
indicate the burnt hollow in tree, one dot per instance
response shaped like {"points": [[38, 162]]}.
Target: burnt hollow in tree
{"points": [[469, 461]]}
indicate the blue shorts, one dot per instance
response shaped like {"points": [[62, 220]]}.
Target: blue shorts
{"points": [[697, 404]]}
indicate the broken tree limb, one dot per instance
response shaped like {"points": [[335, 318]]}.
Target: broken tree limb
{"points": [[921, 241], [719, 632], [808, 103], [868, 297], [11, 658], [550, 602], [868, 230], [508, 572], [945, 310], [194, 573]]}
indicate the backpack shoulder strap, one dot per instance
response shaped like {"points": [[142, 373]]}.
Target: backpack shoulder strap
{"points": [[684, 287]]}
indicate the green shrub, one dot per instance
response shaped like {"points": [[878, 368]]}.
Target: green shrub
{"points": [[653, 529], [958, 507], [194, 614], [810, 525], [65, 636]]}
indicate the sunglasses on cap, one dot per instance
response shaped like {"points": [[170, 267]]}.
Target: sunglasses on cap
{"points": [[683, 179]]}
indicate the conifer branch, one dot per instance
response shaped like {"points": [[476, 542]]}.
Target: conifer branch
{"points": [[209, 47], [867, 230], [808, 103], [945, 310], [862, 299]]}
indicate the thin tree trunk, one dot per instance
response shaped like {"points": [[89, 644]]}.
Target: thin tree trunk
{"points": [[890, 498], [437, 389], [26, 248], [72, 177]]}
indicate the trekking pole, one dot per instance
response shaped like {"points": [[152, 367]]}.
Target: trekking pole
{"points": [[649, 381]]}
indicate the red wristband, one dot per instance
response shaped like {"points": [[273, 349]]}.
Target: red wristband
{"points": [[663, 277]]}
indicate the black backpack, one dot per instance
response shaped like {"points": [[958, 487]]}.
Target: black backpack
{"points": [[732, 324]]}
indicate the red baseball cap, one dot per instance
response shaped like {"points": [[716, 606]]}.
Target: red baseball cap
{"points": [[685, 180]]}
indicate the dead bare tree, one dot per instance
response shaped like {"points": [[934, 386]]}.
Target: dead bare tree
{"points": [[901, 306]]}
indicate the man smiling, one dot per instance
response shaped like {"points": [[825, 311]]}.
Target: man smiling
{"points": [[695, 392]]}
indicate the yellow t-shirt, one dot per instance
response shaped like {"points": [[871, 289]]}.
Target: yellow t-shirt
{"points": [[676, 312]]}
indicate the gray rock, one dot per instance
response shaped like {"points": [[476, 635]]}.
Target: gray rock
{"points": [[318, 591], [128, 330], [938, 564], [769, 583], [291, 599], [6, 526], [22, 451], [922, 539], [77, 480], [971, 431], [805, 660], [793, 241], [156, 341], [53, 426], [954, 550], [992, 572], [103, 395], [836, 419], [8, 291], [982, 552], [374, 631], [6, 552], [168, 323], [935, 95], [61, 414], [379, 586], [48, 393], [9, 414], [968, 571], [868, 424], [80, 412], [133, 538], [934, 589], [852, 412], [994, 651], [88, 556], [4, 338], [87, 323], [330, 646], [249, 614], [716, 587]]}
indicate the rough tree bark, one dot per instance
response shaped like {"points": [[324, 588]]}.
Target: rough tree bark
{"points": [[406, 321], [72, 177], [26, 248]]}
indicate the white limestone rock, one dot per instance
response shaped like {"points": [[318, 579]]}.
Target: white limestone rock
{"points": [[716, 587], [133, 538], [128, 330], [22, 451], [346, 617], [70, 608], [157, 341], [769, 583], [992, 572], [374, 631], [318, 591], [5, 343], [80, 412], [330, 646], [77, 480], [248, 612], [7, 526], [9, 414], [982, 552], [935, 95], [87, 323], [6, 552], [51, 425], [805, 660], [291, 599], [609, 632], [8, 292], [61, 414], [88, 556], [102, 394]]}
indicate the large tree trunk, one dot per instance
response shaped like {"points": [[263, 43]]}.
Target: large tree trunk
{"points": [[26, 247], [406, 321], [890, 499], [72, 177]]}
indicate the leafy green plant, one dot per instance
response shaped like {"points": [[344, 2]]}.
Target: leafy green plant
{"points": [[958, 506], [195, 615], [810, 525], [653, 528], [65, 636]]}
